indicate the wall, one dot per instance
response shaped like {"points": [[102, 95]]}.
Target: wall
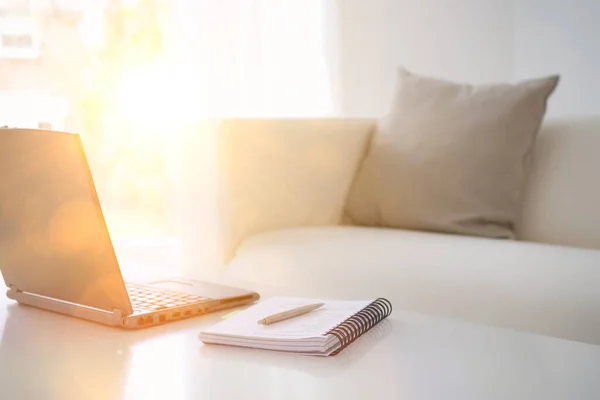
{"points": [[561, 36], [469, 40]]}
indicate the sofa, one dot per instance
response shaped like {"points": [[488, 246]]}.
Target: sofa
{"points": [[252, 216]]}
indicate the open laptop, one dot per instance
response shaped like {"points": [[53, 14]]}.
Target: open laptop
{"points": [[55, 250]]}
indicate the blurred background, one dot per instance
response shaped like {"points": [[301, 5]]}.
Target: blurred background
{"points": [[131, 75], [87, 67]]}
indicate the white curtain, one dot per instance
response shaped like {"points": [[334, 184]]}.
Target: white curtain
{"points": [[256, 57], [244, 58]]}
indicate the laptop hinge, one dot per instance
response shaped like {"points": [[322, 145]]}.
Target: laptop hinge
{"points": [[114, 317], [117, 314], [12, 292]]}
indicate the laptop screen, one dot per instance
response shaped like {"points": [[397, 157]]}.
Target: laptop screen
{"points": [[53, 238]]}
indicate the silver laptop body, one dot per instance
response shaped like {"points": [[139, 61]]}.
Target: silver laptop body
{"points": [[55, 249]]}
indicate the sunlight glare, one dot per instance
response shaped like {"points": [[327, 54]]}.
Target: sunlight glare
{"points": [[151, 99], [91, 28]]}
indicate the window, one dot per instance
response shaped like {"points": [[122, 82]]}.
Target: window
{"points": [[17, 41], [18, 38]]}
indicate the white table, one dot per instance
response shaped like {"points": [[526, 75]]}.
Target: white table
{"points": [[49, 356]]}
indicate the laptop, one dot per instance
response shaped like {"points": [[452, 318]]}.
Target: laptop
{"points": [[56, 253]]}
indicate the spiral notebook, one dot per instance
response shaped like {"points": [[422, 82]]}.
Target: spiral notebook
{"points": [[322, 332]]}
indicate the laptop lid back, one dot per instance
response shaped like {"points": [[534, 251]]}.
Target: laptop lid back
{"points": [[53, 238]]}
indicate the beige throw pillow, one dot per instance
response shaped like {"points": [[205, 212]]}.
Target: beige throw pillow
{"points": [[450, 157]]}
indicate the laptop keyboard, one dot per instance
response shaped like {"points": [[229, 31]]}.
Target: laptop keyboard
{"points": [[144, 298]]}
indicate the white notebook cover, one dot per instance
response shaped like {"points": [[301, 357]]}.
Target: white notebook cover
{"points": [[306, 334]]}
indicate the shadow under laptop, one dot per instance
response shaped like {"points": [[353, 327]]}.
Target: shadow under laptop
{"points": [[57, 357]]}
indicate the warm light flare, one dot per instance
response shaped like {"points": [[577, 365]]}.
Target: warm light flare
{"points": [[151, 99]]}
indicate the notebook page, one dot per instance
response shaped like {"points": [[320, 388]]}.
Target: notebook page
{"points": [[310, 325]]}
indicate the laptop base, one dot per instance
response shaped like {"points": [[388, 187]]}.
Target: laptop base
{"points": [[137, 320]]}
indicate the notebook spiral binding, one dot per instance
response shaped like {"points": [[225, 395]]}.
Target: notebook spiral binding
{"points": [[361, 322]]}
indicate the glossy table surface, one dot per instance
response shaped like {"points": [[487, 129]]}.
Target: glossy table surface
{"points": [[48, 356], [409, 356]]}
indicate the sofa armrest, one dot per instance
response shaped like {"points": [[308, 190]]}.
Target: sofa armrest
{"points": [[246, 176]]}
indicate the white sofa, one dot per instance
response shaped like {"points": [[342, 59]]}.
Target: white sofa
{"points": [[546, 282]]}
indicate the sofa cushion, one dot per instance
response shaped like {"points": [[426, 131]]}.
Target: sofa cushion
{"points": [[541, 288], [451, 157]]}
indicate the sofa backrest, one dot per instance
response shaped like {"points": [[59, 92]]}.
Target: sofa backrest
{"points": [[562, 197], [254, 165]]}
